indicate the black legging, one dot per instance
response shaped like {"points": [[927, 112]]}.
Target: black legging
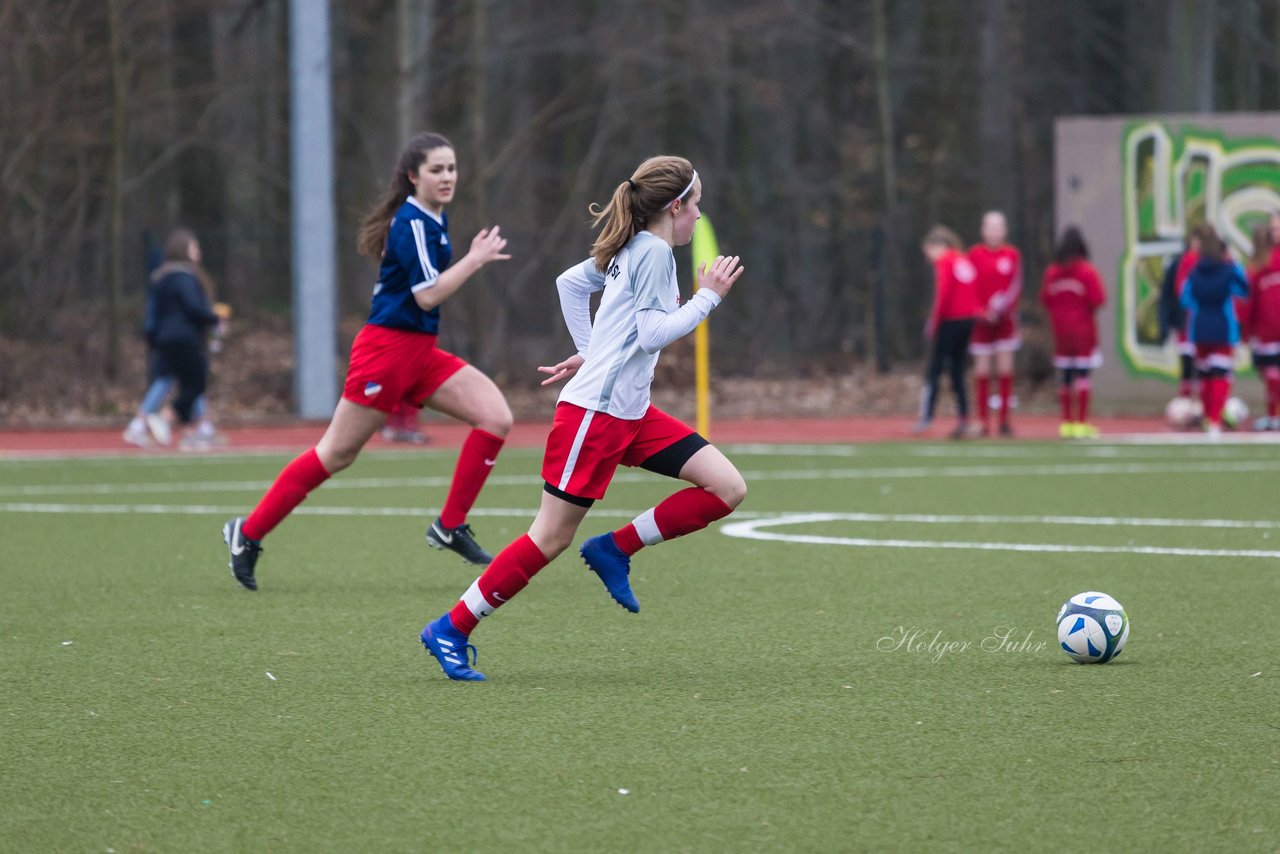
{"points": [[1070, 375], [190, 367], [950, 345]]}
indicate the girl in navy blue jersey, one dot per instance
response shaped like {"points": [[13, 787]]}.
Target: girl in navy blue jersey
{"points": [[395, 359]]}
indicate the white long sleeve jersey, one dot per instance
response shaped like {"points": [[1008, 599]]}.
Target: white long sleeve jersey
{"points": [[639, 314]]}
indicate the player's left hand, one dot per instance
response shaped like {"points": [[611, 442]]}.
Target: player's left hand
{"points": [[561, 371]]}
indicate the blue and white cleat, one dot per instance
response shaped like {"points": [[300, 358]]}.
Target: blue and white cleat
{"points": [[606, 560], [449, 646]]}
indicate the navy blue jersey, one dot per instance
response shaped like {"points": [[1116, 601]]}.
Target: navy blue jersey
{"points": [[418, 250], [1209, 298]]}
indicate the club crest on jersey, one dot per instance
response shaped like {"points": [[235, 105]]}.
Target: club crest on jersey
{"points": [[372, 389], [444, 240], [1005, 266]]}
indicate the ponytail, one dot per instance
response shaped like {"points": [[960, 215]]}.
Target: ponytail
{"points": [[656, 185]]}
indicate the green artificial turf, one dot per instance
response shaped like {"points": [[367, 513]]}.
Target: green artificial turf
{"points": [[771, 695]]}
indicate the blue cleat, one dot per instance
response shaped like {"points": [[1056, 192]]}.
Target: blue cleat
{"points": [[449, 646], [606, 560]]}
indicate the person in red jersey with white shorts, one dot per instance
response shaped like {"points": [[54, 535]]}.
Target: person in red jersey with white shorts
{"points": [[604, 417], [1262, 315], [995, 335], [395, 360], [1072, 292]]}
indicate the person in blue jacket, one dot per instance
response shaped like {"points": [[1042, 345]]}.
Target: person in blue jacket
{"points": [[1209, 297]]}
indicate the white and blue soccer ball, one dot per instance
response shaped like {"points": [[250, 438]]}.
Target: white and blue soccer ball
{"points": [[1092, 627]]}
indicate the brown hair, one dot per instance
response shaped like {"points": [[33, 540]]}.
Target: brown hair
{"points": [[940, 234], [177, 246], [1071, 247], [654, 185], [177, 256], [1262, 245], [372, 238], [1211, 245]]}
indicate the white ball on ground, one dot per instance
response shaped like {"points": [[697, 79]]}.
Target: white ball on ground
{"points": [[1235, 413], [1093, 627]]}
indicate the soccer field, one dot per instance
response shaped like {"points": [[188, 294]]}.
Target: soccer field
{"points": [[862, 659]]}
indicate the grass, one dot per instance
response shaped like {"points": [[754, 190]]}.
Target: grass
{"points": [[760, 701]]}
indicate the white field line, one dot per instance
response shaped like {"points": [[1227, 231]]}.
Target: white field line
{"points": [[752, 530], [760, 518], [886, 473]]}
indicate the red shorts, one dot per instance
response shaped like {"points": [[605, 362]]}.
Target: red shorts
{"points": [[1215, 356], [1000, 336], [585, 447], [1078, 351], [1185, 347], [390, 366]]}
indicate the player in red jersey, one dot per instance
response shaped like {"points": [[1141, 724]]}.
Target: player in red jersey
{"points": [[1173, 317], [395, 359], [604, 417], [955, 305], [1188, 379], [1261, 316], [1072, 293], [995, 332]]}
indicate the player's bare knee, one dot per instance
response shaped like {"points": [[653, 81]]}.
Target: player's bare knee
{"points": [[732, 490], [335, 460], [500, 423], [551, 542]]}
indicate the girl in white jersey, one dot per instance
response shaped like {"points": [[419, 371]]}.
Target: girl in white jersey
{"points": [[604, 417]]}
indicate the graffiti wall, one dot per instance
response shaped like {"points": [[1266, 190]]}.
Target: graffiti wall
{"points": [[1136, 185]]}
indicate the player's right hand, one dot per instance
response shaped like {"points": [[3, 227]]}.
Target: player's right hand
{"points": [[488, 245], [561, 371], [721, 275]]}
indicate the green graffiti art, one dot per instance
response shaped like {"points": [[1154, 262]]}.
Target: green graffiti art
{"points": [[1175, 177]]}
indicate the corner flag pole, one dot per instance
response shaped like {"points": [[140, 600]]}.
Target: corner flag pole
{"points": [[705, 249]]}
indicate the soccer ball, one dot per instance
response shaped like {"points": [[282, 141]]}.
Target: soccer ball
{"points": [[1183, 413], [1235, 413], [1092, 628]]}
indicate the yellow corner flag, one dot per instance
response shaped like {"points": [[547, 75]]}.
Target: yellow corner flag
{"points": [[705, 249]]}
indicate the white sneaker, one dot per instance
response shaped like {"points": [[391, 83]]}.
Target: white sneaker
{"points": [[160, 429], [139, 438]]}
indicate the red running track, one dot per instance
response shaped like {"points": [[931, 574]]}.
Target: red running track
{"points": [[301, 435]]}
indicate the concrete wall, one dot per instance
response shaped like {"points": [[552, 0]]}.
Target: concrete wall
{"points": [[1134, 185]]}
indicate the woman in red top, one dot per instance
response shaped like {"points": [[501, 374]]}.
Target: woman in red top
{"points": [[1261, 316], [1072, 292], [955, 306]]}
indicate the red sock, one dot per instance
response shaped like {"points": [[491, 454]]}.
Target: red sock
{"points": [[1083, 388], [1207, 390], [982, 391], [291, 487], [683, 513], [1221, 391], [1006, 392], [1272, 377], [504, 578], [475, 461], [1064, 399]]}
